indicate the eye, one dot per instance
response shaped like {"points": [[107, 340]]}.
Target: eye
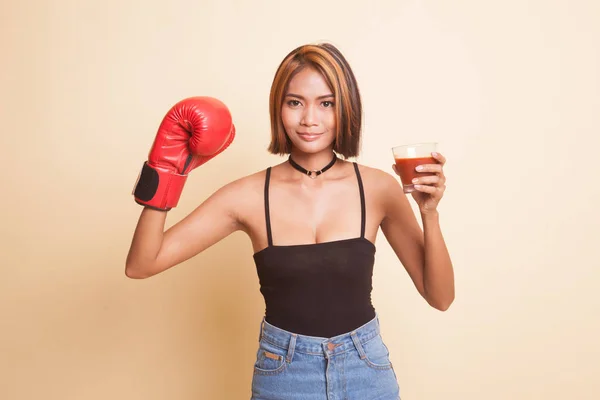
{"points": [[293, 103], [328, 104]]}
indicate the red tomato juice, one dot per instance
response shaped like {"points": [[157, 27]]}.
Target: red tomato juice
{"points": [[406, 168]]}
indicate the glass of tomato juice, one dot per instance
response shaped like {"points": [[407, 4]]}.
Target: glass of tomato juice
{"points": [[408, 157]]}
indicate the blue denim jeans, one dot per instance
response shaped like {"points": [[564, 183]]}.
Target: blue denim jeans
{"points": [[351, 366]]}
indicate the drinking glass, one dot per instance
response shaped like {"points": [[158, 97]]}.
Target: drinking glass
{"points": [[408, 157]]}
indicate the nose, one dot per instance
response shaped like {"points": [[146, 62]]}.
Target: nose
{"points": [[309, 117]]}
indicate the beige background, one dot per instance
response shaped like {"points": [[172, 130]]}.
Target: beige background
{"points": [[510, 89]]}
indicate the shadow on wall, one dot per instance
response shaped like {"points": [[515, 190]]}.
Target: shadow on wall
{"points": [[221, 310], [187, 333]]}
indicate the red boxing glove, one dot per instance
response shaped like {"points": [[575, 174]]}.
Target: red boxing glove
{"points": [[193, 131]]}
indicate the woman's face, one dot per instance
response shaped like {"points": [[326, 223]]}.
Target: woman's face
{"points": [[308, 112]]}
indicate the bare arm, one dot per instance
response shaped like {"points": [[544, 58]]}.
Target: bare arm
{"points": [[146, 243], [423, 253], [153, 251], [439, 273]]}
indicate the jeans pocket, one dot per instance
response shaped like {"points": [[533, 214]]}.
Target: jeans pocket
{"points": [[270, 359], [377, 355]]}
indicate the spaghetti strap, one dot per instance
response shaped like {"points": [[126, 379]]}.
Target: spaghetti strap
{"points": [[363, 211], [267, 213]]}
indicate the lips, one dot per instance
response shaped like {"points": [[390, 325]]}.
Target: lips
{"points": [[309, 136]]}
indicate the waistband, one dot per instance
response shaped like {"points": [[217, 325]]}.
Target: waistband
{"points": [[318, 345]]}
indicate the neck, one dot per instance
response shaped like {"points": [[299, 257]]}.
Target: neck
{"points": [[314, 161]]}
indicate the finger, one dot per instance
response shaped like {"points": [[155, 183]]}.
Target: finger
{"points": [[426, 189], [434, 168], [427, 180], [434, 191], [440, 158]]}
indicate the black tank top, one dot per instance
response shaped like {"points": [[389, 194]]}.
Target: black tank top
{"points": [[320, 289]]}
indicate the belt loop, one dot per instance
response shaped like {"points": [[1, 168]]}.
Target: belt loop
{"points": [[359, 348], [291, 347]]}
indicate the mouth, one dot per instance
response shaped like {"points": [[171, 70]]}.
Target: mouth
{"points": [[308, 137]]}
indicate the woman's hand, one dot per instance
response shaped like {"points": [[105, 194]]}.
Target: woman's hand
{"points": [[429, 188]]}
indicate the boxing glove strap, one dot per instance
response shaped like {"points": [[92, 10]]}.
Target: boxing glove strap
{"points": [[158, 189]]}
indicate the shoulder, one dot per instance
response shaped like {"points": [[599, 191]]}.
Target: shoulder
{"points": [[377, 179], [246, 185], [240, 198], [379, 185]]}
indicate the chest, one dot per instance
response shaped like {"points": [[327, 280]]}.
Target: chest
{"points": [[316, 213], [300, 214]]}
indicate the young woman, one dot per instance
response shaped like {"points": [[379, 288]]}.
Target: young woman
{"points": [[312, 221]]}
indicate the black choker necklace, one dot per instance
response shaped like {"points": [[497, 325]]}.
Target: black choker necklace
{"points": [[315, 173]]}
